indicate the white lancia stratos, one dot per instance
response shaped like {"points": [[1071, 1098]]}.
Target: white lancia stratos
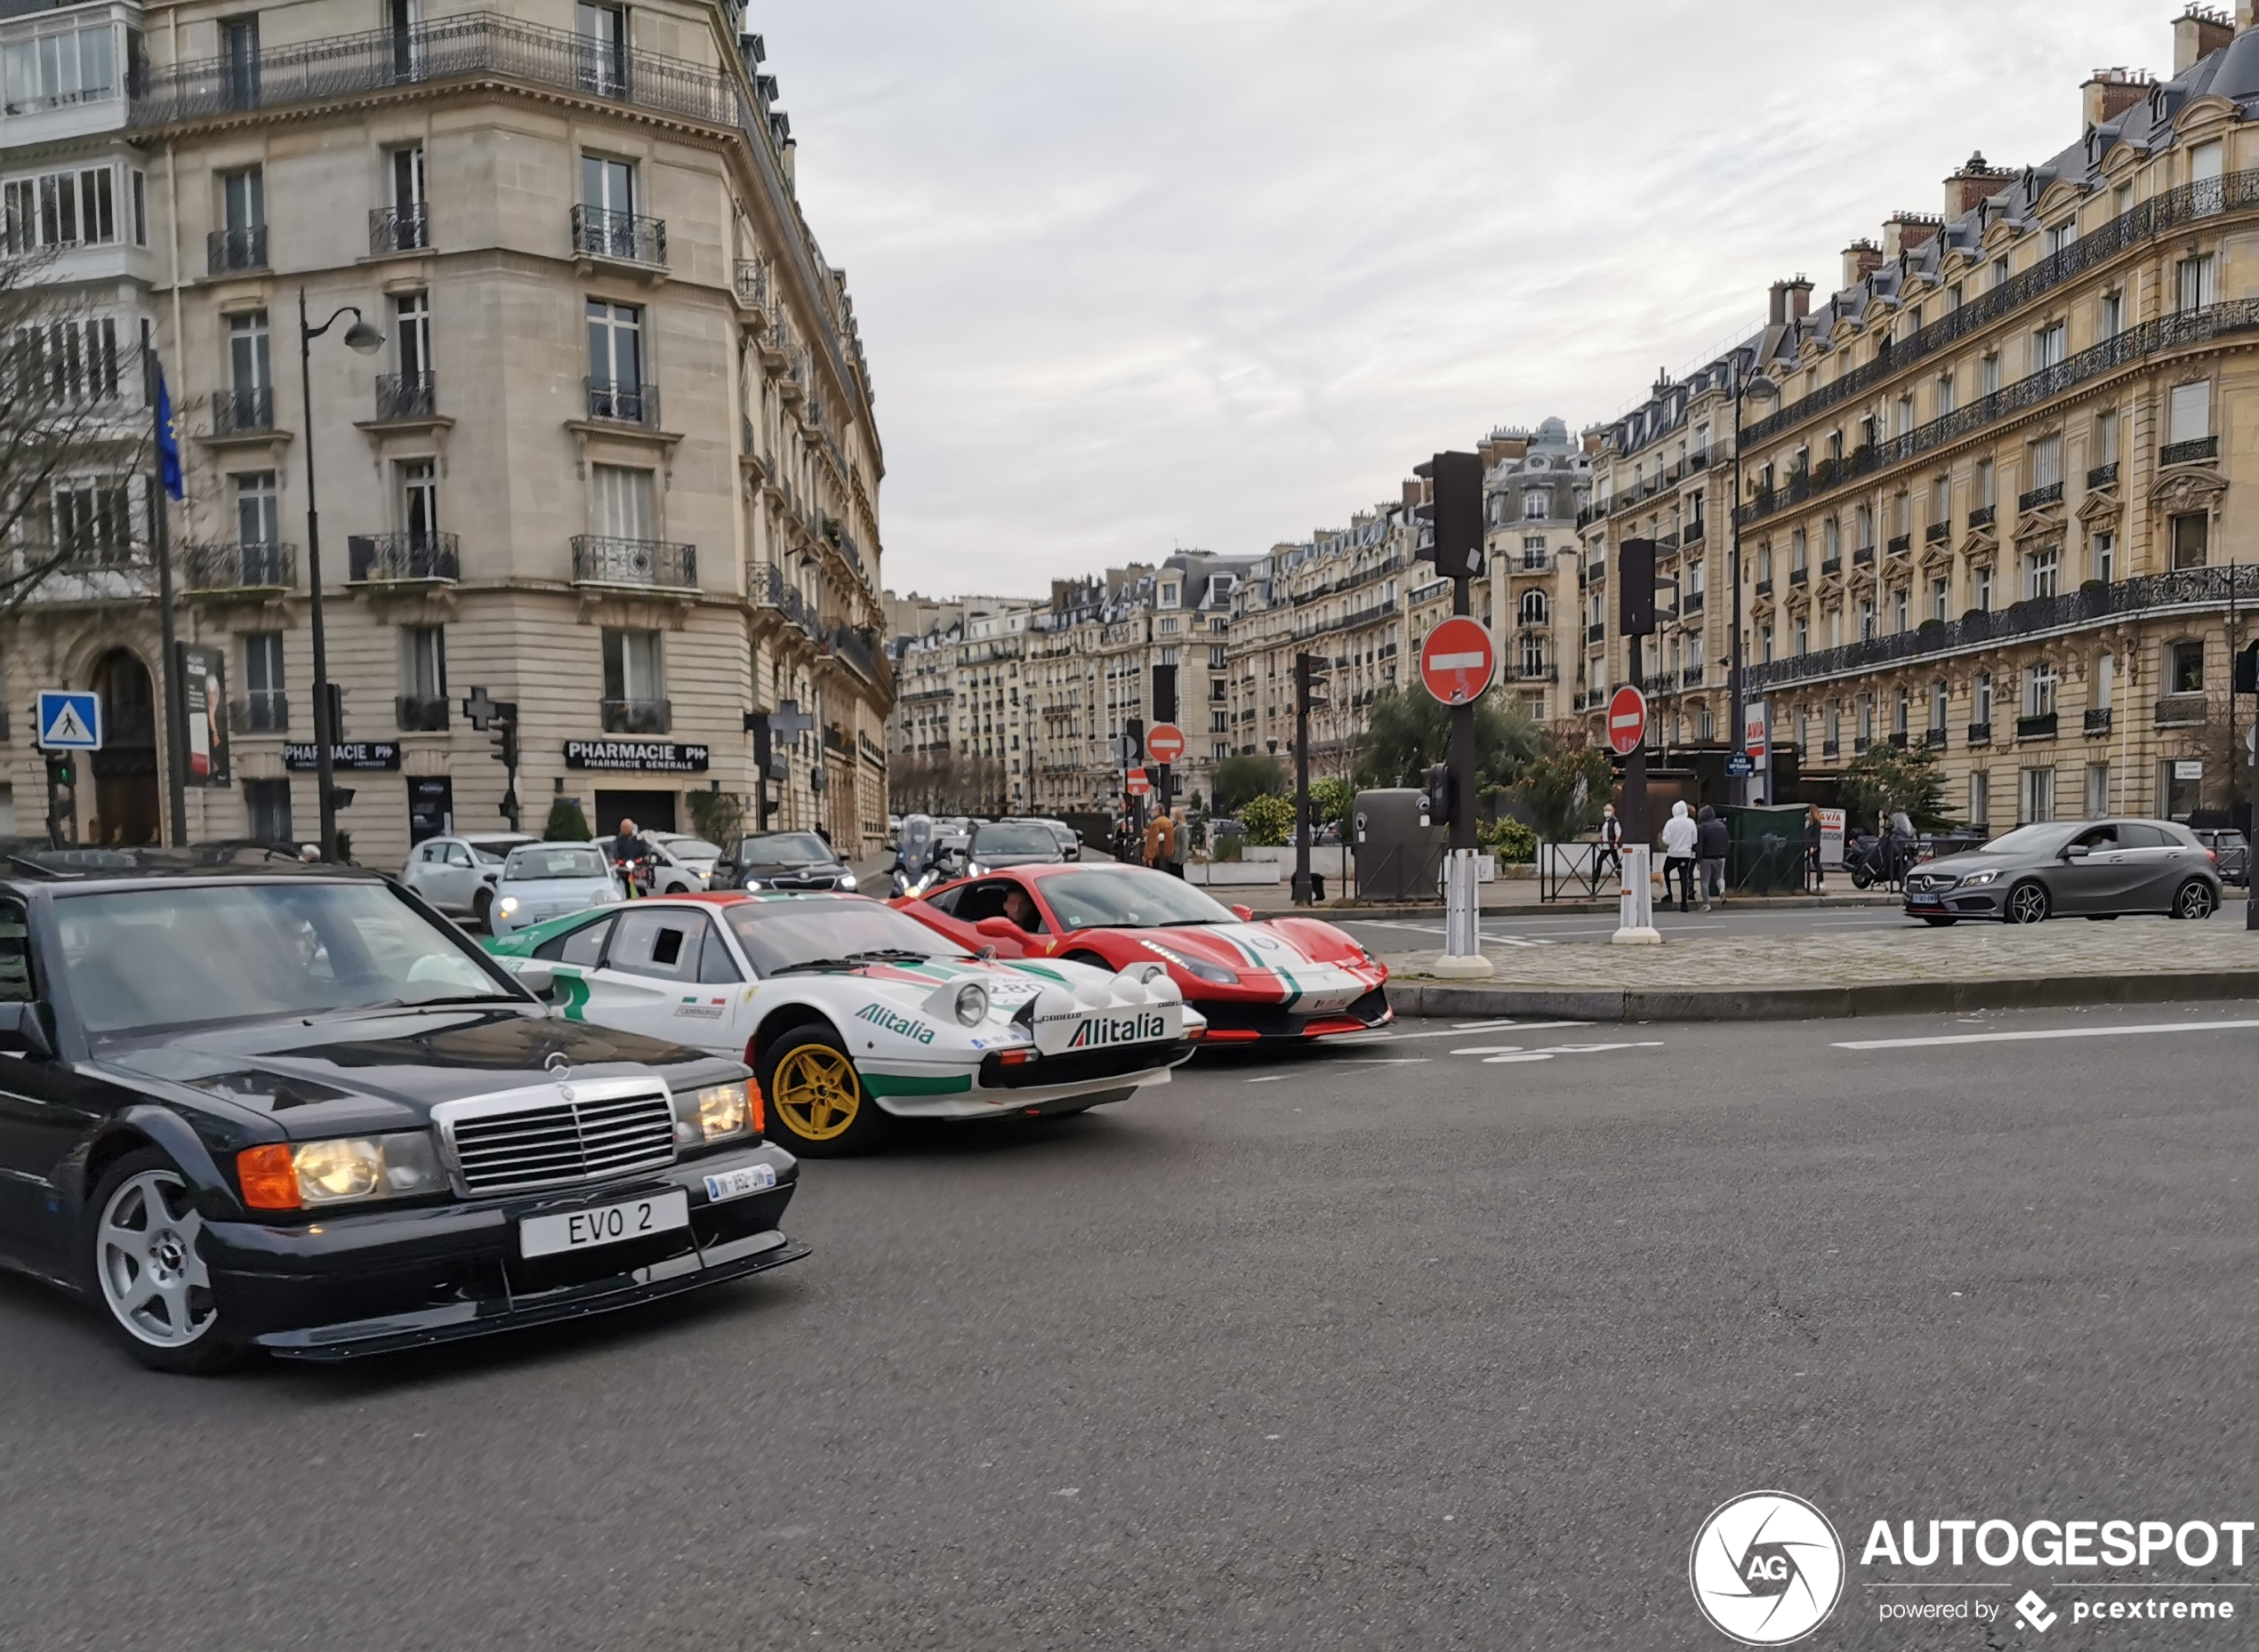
{"points": [[851, 1012]]}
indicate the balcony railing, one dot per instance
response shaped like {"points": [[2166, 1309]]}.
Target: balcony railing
{"points": [[262, 711], [624, 404], [1691, 603], [1693, 532], [1934, 739], [601, 560], [2098, 722], [242, 413], [405, 559], [620, 237], [2090, 605], [1900, 544], [226, 250], [1861, 744], [755, 288], [846, 645], [1983, 517], [637, 717], [2167, 332], [1536, 562], [1799, 576], [1536, 671], [2050, 494], [420, 713], [1764, 588], [1937, 532], [1595, 633], [239, 567], [2160, 214], [1830, 566], [772, 590], [404, 396], [2202, 448], [1899, 739], [1980, 734], [399, 228], [2182, 711], [2102, 475], [2036, 726]]}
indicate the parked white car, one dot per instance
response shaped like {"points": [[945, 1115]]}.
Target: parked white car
{"points": [[686, 864], [457, 873], [544, 880]]}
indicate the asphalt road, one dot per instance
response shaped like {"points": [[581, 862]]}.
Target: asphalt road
{"points": [[1452, 1339]]}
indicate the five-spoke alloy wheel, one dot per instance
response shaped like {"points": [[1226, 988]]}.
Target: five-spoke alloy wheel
{"points": [[817, 1101], [147, 1264], [2028, 903]]}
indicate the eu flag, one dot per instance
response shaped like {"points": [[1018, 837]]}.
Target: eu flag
{"points": [[168, 438]]}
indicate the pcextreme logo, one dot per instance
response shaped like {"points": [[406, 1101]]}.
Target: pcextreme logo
{"points": [[1766, 1568]]}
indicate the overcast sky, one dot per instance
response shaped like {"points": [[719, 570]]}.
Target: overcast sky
{"points": [[1137, 274]]}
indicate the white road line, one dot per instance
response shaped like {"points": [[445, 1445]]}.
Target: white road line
{"points": [[1268, 1078], [1388, 1061], [2050, 1032]]}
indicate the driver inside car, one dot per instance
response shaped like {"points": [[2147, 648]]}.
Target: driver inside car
{"points": [[1019, 910]]}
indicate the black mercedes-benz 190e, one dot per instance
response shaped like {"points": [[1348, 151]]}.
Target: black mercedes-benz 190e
{"points": [[295, 1110]]}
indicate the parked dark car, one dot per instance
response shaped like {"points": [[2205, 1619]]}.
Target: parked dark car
{"points": [[998, 843], [295, 1110], [2231, 850], [781, 859], [2082, 869]]}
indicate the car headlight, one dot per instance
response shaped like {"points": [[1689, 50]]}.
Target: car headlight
{"points": [[506, 905], [712, 1113], [847, 880], [307, 1175], [1196, 967], [752, 883], [1975, 879], [971, 1005]]}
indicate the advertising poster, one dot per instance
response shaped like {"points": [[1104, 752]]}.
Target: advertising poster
{"points": [[204, 693]]}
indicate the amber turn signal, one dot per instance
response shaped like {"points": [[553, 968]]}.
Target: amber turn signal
{"points": [[268, 1177], [756, 1108]]}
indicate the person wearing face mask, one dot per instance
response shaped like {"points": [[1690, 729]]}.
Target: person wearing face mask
{"points": [[1680, 841], [1610, 858]]}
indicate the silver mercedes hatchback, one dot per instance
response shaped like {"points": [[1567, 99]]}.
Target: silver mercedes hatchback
{"points": [[2070, 869]]}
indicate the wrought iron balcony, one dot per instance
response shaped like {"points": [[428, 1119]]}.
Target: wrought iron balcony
{"points": [[243, 567], [2050, 494], [624, 404], [1830, 748], [1830, 566], [1536, 671], [1799, 576], [404, 396], [2102, 475], [1983, 517], [2038, 725], [620, 237], [2098, 722], [638, 717], [1980, 734], [1595, 633], [771, 589], [1861, 744], [1937, 532], [262, 711], [1900, 739], [1900, 544], [1764, 588], [2182, 711], [420, 713], [228, 250], [1934, 739], [1693, 532], [399, 228], [2188, 453], [600, 559], [1864, 558], [406, 559], [1691, 603], [242, 413]]}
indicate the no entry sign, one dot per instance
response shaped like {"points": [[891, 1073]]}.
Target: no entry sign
{"points": [[1165, 742], [1137, 785], [1627, 720], [1458, 661]]}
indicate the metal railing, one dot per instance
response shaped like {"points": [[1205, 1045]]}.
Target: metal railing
{"points": [[637, 717], [420, 713], [850, 647], [2102, 475], [772, 590], [1693, 532], [624, 404], [2050, 494], [242, 413], [1764, 588], [1934, 739], [376, 558], [1900, 544], [599, 560], [2182, 711], [2090, 605], [2188, 453], [404, 396], [2097, 722], [2176, 331], [1980, 734], [2159, 214], [2036, 726], [1830, 566], [622, 237], [261, 711], [1983, 517], [399, 228], [239, 567], [1799, 576], [226, 250]]}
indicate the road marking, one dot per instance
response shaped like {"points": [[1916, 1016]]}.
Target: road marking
{"points": [[1567, 1049], [2050, 1032], [1458, 1031], [1388, 1061], [1268, 1078]]}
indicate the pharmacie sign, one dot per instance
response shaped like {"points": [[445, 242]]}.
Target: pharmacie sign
{"points": [[671, 757]]}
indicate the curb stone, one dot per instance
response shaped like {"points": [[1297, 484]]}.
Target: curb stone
{"points": [[1413, 997]]}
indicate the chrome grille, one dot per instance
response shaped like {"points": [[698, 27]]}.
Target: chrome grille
{"points": [[553, 1141]]}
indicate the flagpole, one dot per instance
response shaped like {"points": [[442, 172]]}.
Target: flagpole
{"points": [[175, 725]]}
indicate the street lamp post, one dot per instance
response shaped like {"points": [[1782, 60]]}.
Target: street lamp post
{"points": [[1736, 710], [366, 340]]}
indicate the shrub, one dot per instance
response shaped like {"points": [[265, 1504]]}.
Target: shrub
{"points": [[1511, 840], [567, 823], [717, 816], [1268, 820], [1250, 774]]}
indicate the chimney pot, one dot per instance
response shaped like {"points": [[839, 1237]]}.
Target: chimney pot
{"points": [[1861, 259], [1799, 297], [2196, 33], [1976, 181]]}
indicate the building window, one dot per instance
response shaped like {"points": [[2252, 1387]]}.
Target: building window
{"points": [[243, 214], [2198, 280], [66, 362], [2191, 540], [1764, 642], [1980, 588], [1989, 375], [2036, 795], [2102, 555], [258, 510], [2105, 680], [2185, 668], [92, 520], [2047, 463], [419, 500], [56, 68], [603, 30], [268, 804], [248, 363], [2190, 419], [1864, 519], [266, 704], [1940, 707], [616, 361], [1535, 609], [1901, 704], [1940, 591], [2040, 683], [2048, 346], [412, 336], [75, 208], [1535, 507], [2042, 572], [2106, 437], [1980, 801], [2113, 319], [1865, 618], [1900, 600], [1944, 394], [2097, 790], [633, 668], [424, 662], [1800, 633], [1980, 699], [2205, 162]]}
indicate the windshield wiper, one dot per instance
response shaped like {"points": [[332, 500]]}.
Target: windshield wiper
{"points": [[889, 955], [813, 965]]}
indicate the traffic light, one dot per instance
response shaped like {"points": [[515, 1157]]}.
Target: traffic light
{"points": [[340, 797], [1635, 587], [1439, 801], [62, 770], [1454, 513], [1311, 684]]}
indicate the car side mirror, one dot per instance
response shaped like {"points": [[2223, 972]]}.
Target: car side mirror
{"points": [[538, 979], [22, 1032], [1000, 928], [1245, 914], [2078, 852], [1073, 852]]}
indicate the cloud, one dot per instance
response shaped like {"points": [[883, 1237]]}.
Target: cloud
{"points": [[1220, 272]]}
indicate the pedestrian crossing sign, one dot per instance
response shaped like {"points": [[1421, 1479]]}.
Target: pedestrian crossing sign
{"points": [[70, 720]]}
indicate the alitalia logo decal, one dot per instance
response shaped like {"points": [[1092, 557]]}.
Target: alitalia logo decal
{"points": [[894, 1022], [1099, 1030]]}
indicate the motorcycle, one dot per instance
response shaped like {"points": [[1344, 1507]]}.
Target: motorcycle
{"points": [[1871, 860], [636, 875], [920, 859]]}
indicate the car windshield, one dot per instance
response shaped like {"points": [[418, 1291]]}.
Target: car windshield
{"points": [[1011, 838], [1129, 898], [491, 851], [2027, 840], [538, 860], [779, 935], [141, 960], [691, 848], [782, 848]]}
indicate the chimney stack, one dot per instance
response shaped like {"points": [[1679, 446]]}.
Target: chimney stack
{"points": [[2109, 92], [2198, 33], [1904, 231], [1861, 259], [1974, 181], [1791, 301]]}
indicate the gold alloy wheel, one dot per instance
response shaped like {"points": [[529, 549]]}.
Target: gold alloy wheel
{"points": [[817, 1093]]}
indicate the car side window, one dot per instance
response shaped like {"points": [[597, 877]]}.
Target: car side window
{"points": [[662, 945], [2098, 839], [457, 855], [16, 985], [715, 965], [582, 946], [431, 853], [983, 900], [2133, 835], [946, 902]]}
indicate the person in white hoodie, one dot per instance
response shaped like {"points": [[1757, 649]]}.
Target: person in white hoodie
{"points": [[1680, 836]]}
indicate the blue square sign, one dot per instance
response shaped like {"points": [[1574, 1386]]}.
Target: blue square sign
{"points": [[70, 720]]}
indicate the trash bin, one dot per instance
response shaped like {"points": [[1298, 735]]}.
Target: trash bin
{"points": [[1397, 858]]}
